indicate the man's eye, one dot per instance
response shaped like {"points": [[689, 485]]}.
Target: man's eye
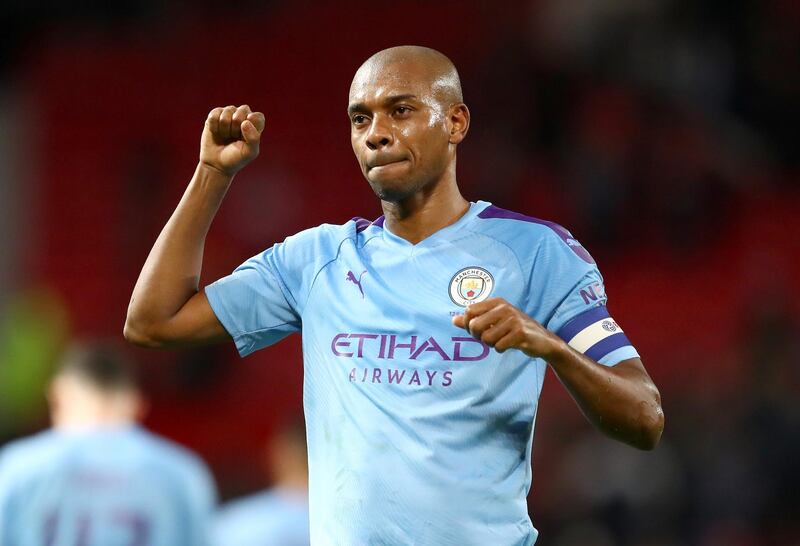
{"points": [[402, 110], [358, 119]]}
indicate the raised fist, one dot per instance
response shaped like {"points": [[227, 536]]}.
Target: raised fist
{"points": [[231, 138]]}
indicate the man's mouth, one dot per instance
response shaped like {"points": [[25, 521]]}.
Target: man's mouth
{"points": [[383, 163]]}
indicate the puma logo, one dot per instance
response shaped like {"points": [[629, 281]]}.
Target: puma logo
{"points": [[352, 278]]}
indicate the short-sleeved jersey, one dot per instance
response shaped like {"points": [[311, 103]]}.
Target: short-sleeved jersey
{"points": [[104, 487], [278, 517], [417, 432]]}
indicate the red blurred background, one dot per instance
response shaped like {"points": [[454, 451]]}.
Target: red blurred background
{"points": [[661, 133]]}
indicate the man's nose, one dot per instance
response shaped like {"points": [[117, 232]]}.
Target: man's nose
{"points": [[380, 133]]}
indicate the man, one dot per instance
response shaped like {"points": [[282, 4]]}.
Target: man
{"points": [[278, 516], [96, 478], [425, 332]]}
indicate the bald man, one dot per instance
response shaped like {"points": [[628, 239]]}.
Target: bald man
{"points": [[426, 333]]}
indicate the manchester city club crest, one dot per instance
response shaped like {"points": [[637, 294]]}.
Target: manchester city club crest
{"points": [[471, 285]]}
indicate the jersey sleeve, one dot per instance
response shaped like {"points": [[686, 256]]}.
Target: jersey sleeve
{"points": [[262, 301], [568, 296]]}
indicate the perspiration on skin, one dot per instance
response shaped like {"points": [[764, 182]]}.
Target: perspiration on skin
{"points": [[441, 77], [407, 116]]}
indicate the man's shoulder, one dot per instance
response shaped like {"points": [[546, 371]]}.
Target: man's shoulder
{"points": [[168, 462], [350, 229], [525, 234], [332, 235], [42, 442], [19, 457], [166, 453], [511, 223]]}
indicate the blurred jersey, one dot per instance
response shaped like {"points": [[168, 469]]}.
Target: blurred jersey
{"points": [[105, 487], [278, 517], [418, 433]]}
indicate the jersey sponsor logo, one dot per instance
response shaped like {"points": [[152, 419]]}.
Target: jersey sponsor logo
{"points": [[471, 285], [393, 347], [397, 376], [352, 278], [409, 349], [412, 348]]}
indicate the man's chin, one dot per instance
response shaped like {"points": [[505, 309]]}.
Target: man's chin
{"points": [[392, 191]]}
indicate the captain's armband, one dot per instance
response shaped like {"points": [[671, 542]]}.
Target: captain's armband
{"points": [[594, 333]]}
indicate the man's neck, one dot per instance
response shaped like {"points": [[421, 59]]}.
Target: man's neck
{"points": [[95, 413], [79, 425], [426, 212]]}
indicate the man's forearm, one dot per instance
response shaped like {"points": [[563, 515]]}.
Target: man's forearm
{"points": [[620, 400], [171, 273]]}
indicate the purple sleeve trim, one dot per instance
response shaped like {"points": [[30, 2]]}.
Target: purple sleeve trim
{"points": [[579, 322], [496, 212], [361, 223], [611, 343]]}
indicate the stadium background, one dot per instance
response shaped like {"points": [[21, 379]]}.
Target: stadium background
{"points": [[663, 133]]}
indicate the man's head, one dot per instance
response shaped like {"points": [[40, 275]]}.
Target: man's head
{"points": [[94, 386], [406, 118]]}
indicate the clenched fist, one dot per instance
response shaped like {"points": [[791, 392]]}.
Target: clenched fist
{"points": [[231, 138], [503, 326]]}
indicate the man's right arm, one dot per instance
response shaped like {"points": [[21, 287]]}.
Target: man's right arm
{"points": [[167, 308]]}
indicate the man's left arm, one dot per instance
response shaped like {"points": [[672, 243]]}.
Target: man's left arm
{"points": [[620, 400]]}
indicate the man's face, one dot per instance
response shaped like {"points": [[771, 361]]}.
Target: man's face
{"points": [[398, 129]]}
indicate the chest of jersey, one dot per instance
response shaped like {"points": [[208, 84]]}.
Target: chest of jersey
{"points": [[380, 304]]}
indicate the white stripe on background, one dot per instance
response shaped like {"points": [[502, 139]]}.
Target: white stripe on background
{"points": [[590, 335]]}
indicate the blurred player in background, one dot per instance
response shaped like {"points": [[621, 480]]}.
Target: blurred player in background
{"points": [[426, 333], [278, 516], [97, 478]]}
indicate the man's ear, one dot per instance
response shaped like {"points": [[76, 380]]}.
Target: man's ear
{"points": [[458, 116]]}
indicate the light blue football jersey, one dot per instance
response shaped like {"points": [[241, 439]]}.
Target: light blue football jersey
{"points": [[104, 487], [419, 434], [278, 517]]}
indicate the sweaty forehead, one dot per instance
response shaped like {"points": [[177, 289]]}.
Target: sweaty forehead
{"points": [[376, 80], [379, 78]]}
